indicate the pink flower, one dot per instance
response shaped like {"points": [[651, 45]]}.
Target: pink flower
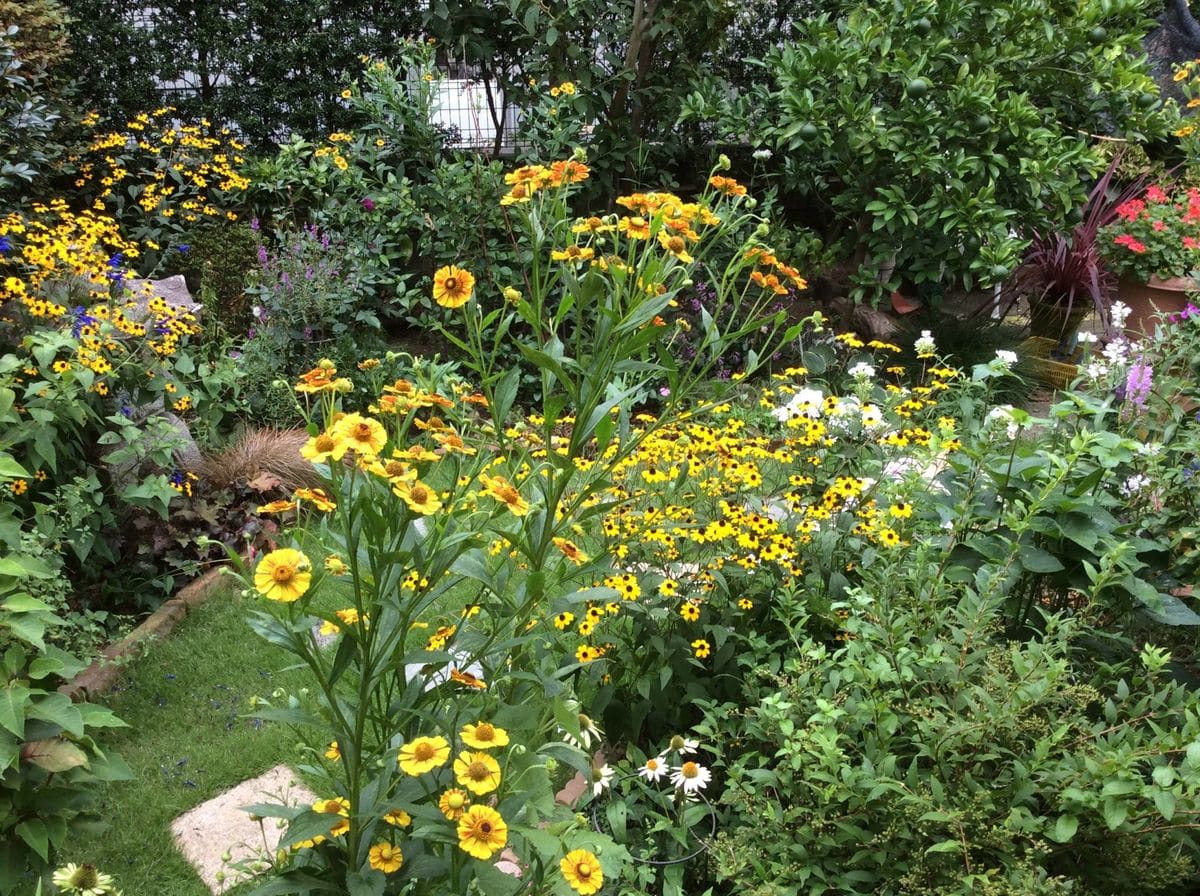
{"points": [[1159, 226], [1155, 194]]}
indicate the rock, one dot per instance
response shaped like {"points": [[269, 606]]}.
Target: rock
{"points": [[871, 323], [173, 290]]}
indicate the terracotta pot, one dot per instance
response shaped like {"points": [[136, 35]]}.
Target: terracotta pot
{"points": [[1147, 300]]}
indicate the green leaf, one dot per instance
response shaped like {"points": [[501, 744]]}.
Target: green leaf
{"points": [[1115, 813], [13, 700], [617, 814], [33, 832], [1064, 828]]}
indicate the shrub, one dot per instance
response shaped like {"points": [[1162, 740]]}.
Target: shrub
{"points": [[927, 145], [928, 754]]}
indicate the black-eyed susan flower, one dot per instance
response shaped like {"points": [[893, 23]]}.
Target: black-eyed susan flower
{"points": [[690, 611], [482, 832], [563, 620], [283, 575], [423, 754], [581, 870], [483, 736], [701, 648], [585, 653]]}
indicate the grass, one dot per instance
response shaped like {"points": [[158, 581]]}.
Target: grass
{"points": [[185, 700]]}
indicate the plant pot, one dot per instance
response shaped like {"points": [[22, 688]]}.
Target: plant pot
{"points": [[1052, 320], [1147, 300]]}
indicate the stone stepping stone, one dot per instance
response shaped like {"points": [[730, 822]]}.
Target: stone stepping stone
{"points": [[204, 834]]}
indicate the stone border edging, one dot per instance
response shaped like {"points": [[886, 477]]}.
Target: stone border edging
{"points": [[102, 674]]}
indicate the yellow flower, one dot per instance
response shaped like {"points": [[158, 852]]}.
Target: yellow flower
{"points": [[334, 752], [365, 435], [701, 648], [283, 575], [571, 551], [582, 871], [636, 228], [506, 493], [478, 772], [423, 754], [454, 803], [484, 736], [482, 832], [385, 857], [573, 254], [398, 817], [346, 94], [1185, 131], [335, 565], [419, 497], [452, 286], [324, 447], [676, 245]]}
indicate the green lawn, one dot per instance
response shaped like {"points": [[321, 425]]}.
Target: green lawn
{"points": [[186, 700]]}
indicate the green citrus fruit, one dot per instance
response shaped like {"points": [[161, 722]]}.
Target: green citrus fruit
{"points": [[808, 131], [917, 88], [922, 26], [1146, 100], [999, 271], [1098, 34]]}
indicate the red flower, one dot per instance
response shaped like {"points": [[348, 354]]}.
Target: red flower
{"points": [[1191, 243], [1130, 243], [1131, 209], [1154, 194]]}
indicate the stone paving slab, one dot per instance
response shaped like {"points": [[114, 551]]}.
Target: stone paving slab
{"points": [[204, 834]]}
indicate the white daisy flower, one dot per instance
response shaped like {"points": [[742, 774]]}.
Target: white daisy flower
{"points": [[683, 745], [690, 777], [602, 777], [589, 733], [655, 768]]}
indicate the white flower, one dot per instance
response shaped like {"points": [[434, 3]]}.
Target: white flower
{"points": [[862, 371], [1086, 338], [601, 779], [805, 403], [1120, 313], [1005, 358], [683, 745], [1096, 370], [1150, 449], [762, 154], [1133, 485], [654, 769], [925, 346], [589, 731], [690, 777], [1117, 351]]}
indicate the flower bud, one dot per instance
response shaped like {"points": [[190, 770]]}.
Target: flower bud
{"points": [[723, 163], [763, 230]]}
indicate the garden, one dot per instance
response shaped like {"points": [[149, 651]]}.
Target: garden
{"points": [[752, 449]]}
